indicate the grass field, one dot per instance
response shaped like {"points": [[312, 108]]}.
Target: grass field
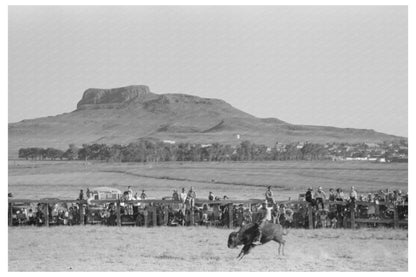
{"points": [[29, 179], [99, 248]]}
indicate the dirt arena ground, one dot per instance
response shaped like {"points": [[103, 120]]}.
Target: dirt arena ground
{"points": [[100, 248]]}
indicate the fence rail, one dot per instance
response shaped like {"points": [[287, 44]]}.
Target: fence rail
{"points": [[150, 214]]}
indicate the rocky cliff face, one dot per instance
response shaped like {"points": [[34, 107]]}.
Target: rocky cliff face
{"points": [[141, 96], [94, 98]]}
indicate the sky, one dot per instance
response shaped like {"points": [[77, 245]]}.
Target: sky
{"points": [[342, 66]]}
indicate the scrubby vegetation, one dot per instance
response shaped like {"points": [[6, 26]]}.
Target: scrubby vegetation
{"points": [[159, 151]]}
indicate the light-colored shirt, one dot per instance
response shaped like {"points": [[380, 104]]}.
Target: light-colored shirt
{"points": [[339, 195], [320, 194], [191, 194], [269, 213], [183, 196]]}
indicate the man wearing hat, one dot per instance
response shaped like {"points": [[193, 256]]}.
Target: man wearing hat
{"points": [[309, 196], [353, 198], [320, 196], [269, 196], [263, 214]]}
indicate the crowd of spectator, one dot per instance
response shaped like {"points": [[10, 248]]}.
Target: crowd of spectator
{"points": [[326, 213], [387, 196]]}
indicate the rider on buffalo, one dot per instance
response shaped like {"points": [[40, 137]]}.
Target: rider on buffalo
{"points": [[263, 216]]}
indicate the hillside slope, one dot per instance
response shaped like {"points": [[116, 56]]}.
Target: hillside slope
{"points": [[124, 115]]}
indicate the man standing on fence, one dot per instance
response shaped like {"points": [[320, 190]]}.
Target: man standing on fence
{"points": [[81, 195], [269, 196], [182, 196], [320, 197], [353, 197], [191, 197], [309, 196], [143, 196]]}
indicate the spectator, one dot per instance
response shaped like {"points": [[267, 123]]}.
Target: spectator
{"points": [[183, 196], [247, 216], [204, 218], [382, 196], [320, 196], [332, 194], [175, 195], [353, 194], [31, 217], [391, 196], [90, 197], [370, 198], [129, 193], [143, 196], [406, 198], [398, 199], [225, 197], [191, 197], [269, 196], [339, 196], [211, 196], [353, 197], [309, 196], [81, 195]]}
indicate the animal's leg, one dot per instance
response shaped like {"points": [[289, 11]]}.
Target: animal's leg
{"points": [[283, 247], [241, 255], [278, 251], [245, 250]]}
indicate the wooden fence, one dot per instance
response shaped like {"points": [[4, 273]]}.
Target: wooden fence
{"points": [[150, 214]]}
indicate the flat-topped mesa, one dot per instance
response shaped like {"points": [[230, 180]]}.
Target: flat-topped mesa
{"points": [[94, 98]]}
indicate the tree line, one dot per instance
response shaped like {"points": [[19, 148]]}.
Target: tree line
{"points": [[158, 151]]}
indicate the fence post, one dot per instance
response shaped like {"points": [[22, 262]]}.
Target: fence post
{"points": [[310, 216], [47, 215], [230, 216], [81, 213], [118, 210], [192, 216], [154, 215], [146, 217], [11, 214], [396, 217], [352, 218], [166, 216]]}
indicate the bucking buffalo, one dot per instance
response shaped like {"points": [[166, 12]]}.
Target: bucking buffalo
{"points": [[247, 233]]}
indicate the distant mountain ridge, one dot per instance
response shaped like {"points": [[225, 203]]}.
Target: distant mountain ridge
{"points": [[127, 114]]}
